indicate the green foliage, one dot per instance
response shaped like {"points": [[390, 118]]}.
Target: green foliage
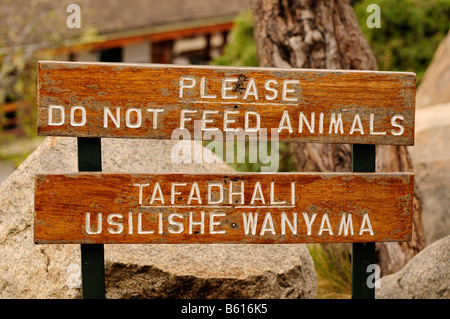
{"points": [[333, 272], [18, 79], [243, 162], [410, 32], [241, 48]]}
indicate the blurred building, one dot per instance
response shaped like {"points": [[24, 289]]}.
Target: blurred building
{"points": [[135, 31], [157, 31]]}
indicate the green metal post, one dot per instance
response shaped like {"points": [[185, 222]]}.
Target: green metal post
{"points": [[363, 160], [92, 255]]}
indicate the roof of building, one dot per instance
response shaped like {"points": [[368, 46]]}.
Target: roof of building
{"points": [[39, 21]]}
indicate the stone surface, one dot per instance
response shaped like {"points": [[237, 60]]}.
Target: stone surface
{"points": [[435, 85], [426, 276], [431, 158], [430, 155], [137, 271]]}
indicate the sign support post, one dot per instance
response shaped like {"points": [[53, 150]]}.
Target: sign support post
{"points": [[92, 256], [363, 254]]}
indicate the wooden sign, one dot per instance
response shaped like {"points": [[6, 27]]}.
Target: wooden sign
{"points": [[223, 208], [161, 101]]}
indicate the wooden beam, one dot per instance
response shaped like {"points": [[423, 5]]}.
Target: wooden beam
{"points": [[154, 37]]}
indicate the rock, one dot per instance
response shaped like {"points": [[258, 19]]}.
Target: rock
{"points": [[426, 276], [216, 271], [137, 271], [431, 160], [429, 155], [435, 85]]}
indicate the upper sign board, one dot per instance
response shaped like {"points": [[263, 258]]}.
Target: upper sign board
{"points": [[166, 101]]}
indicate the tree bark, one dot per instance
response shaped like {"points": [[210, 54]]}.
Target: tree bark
{"points": [[325, 34]]}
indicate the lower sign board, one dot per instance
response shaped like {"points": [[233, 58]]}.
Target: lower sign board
{"points": [[233, 208]]}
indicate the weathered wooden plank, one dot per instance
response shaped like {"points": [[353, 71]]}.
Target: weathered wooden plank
{"points": [[153, 101], [223, 208]]}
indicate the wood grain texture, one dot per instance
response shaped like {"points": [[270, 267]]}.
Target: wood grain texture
{"points": [[367, 107], [168, 208]]}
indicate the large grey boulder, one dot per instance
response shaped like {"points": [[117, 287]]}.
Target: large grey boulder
{"points": [[426, 276], [431, 158], [430, 155], [435, 85], [137, 271]]}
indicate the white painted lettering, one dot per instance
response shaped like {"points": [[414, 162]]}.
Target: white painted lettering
{"points": [[338, 125], [140, 230], [174, 226], [205, 120], [401, 128], [272, 196], [250, 223], [227, 121], [267, 225], [203, 93], [155, 116], [107, 113], [310, 125], [365, 228], [117, 224], [212, 223], [292, 193], [226, 88], [183, 119], [130, 222], [89, 230], [309, 222], [325, 220], [196, 190], [247, 127], [321, 115], [292, 225], [160, 224], [357, 121], [183, 85], [51, 120], [157, 189], [128, 117], [210, 193], [287, 90], [201, 223], [372, 131], [173, 192], [72, 116], [271, 89], [257, 191], [283, 126], [251, 89], [141, 186], [346, 225], [239, 193]]}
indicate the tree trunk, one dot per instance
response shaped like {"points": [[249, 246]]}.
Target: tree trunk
{"points": [[325, 34]]}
